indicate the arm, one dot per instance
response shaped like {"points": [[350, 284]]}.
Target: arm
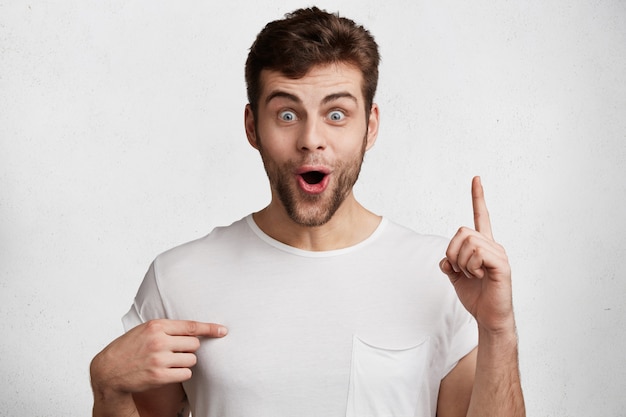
{"points": [[479, 270], [166, 401], [497, 388], [140, 373], [455, 391]]}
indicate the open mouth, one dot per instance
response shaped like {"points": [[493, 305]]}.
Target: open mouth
{"points": [[313, 177]]}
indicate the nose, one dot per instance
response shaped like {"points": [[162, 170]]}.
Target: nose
{"points": [[311, 137]]}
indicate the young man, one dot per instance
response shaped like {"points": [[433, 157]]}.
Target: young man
{"points": [[324, 308]]}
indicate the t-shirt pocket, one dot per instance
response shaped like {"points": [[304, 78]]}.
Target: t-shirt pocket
{"points": [[387, 382]]}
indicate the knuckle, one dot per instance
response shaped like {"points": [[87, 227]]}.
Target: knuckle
{"points": [[473, 240], [478, 250], [191, 327], [154, 326], [156, 374], [155, 345], [463, 230], [482, 213], [155, 363]]}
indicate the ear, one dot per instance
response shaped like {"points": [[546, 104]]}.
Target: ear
{"points": [[250, 127], [372, 126]]}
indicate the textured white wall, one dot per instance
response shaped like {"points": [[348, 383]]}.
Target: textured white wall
{"points": [[121, 135]]}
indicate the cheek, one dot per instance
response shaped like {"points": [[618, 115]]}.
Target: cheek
{"points": [[351, 143], [275, 150]]}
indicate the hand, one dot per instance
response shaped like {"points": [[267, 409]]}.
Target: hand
{"points": [[479, 269], [151, 355]]}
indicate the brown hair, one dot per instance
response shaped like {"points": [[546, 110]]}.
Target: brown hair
{"points": [[306, 38]]}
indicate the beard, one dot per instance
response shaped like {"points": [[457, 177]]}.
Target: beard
{"points": [[307, 209]]}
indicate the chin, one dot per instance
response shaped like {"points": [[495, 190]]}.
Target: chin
{"points": [[309, 219], [317, 214]]}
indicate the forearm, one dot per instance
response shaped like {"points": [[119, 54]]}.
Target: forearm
{"points": [[497, 388], [108, 404]]}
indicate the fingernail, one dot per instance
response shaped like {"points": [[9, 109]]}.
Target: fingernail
{"points": [[446, 266], [222, 331], [442, 265]]}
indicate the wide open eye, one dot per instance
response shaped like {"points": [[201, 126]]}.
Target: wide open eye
{"points": [[336, 116], [287, 116]]}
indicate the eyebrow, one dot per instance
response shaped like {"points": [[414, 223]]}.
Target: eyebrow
{"points": [[282, 94], [337, 96], [329, 98]]}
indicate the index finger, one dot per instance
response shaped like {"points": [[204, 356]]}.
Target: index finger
{"points": [[193, 328], [482, 223]]}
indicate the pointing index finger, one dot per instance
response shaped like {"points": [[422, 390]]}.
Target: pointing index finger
{"points": [[194, 328], [482, 223]]}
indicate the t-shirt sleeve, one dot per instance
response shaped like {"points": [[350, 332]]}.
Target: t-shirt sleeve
{"points": [[148, 304], [463, 335]]}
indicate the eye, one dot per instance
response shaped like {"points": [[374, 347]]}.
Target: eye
{"points": [[336, 116], [287, 116]]}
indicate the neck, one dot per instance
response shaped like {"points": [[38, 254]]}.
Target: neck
{"points": [[351, 224]]}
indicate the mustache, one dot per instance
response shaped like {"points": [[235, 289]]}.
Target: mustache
{"points": [[311, 159]]}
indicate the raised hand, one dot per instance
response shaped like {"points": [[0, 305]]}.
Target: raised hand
{"points": [[151, 355], [479, 269]]}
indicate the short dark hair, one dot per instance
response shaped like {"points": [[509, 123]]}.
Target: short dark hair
{"points": [[306, 38]]}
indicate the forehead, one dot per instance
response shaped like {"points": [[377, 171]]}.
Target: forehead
{"points": [[319, 82]]}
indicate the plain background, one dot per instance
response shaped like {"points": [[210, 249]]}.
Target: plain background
{"points": [[121, 134]]}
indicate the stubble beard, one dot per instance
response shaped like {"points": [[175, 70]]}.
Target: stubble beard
{"points": [[307, 209]]}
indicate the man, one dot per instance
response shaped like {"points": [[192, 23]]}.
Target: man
{"points": [[324, 308]]}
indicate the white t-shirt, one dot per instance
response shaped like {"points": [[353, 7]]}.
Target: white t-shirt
{"points": [[369, 330]]}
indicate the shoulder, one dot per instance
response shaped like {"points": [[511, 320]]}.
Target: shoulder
{"points": [[399, 236], [418, 255], [218, 243]]}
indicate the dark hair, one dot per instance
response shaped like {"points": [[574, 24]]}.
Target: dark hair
{"points": [[306, 38]]}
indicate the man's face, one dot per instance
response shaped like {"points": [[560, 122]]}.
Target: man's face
{"points": [[312, 133]]}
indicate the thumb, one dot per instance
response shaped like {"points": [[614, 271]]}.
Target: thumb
{"points": [[446, 267]]}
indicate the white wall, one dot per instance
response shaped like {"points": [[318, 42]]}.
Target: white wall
{"points": [[121, 135]]}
